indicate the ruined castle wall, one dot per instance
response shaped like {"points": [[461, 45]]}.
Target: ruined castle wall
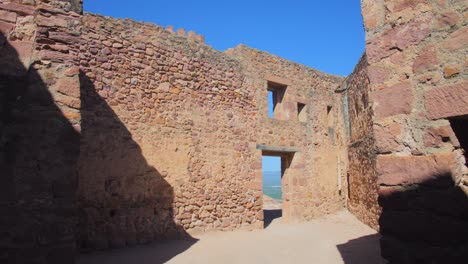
{"points": [[361, 178], [417, 68], [168, 137], [310, 185], [39, 124]]}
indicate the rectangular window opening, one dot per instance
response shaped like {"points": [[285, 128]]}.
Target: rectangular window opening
{"points": [[301, 112], [275, 97]]}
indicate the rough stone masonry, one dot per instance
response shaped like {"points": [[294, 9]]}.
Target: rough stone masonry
{"points": [[116, 133]]}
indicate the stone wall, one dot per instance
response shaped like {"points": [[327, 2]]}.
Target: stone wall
{"points": [[310, 185], [166, 130], [417, 68], [361, 179], [170, 129], [39, 124]]}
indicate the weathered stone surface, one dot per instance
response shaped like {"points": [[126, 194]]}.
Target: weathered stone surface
{"points": [[393, 100], [433, 89], [457, 40], [448, 19], [447, 101], [388, 138], [361, 177], [69, 86], [5, 27], [55, 56], [436, 136], [451, 71], [407, 170], [24, 50], [18, 8], [8, 16], [64, 37], [428, 59], [398, 38], [399, 5]]}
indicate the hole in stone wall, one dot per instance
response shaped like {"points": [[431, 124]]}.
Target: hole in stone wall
{"points": [[275, 98], [460, 128], [301, 112]]}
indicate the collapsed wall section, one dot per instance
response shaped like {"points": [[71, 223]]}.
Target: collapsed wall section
{"points": [[417, 68]]}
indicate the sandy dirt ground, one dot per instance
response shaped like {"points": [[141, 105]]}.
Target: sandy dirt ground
{"points": [[336, 238]]}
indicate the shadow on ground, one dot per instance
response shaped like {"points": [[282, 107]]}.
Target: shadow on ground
{"points": [[153, 253], [269, 215], [361, 250]]}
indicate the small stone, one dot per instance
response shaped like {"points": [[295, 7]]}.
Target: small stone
{"points": [[106, 51], [174, 90], [451, 71], [164, 87], [102, 58], [149, 51], [107, 43], [117, 45], [107, 66]]}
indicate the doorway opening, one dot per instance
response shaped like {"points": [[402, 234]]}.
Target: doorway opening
{"points": [[272, 188], [275, 165]]}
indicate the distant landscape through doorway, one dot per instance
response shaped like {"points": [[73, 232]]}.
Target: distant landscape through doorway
{"points": [[272, 190]]}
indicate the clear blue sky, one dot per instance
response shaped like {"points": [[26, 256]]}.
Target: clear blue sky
{"points": [[326, 35]]}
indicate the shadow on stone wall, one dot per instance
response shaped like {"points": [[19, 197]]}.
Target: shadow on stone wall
{"points": [[365, 249], [39, 157], [427, 223], [39, 149], [123, 201]]}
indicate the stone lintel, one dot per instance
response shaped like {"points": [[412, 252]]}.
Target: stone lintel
{"points": [[278, 150], [278, 80]]}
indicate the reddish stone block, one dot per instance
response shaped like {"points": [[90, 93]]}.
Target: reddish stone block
{"points": [[5, 27], [18, 8], [408, 170], [24, 50], [8, 16], [447, 101], [388, 138], [377, 75], [64, 37], [55, 56], [448, 19], [398, 38], [426, 60], [457, 40], [435, 136], [69, 86], [55, 21], [393, 100]]}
